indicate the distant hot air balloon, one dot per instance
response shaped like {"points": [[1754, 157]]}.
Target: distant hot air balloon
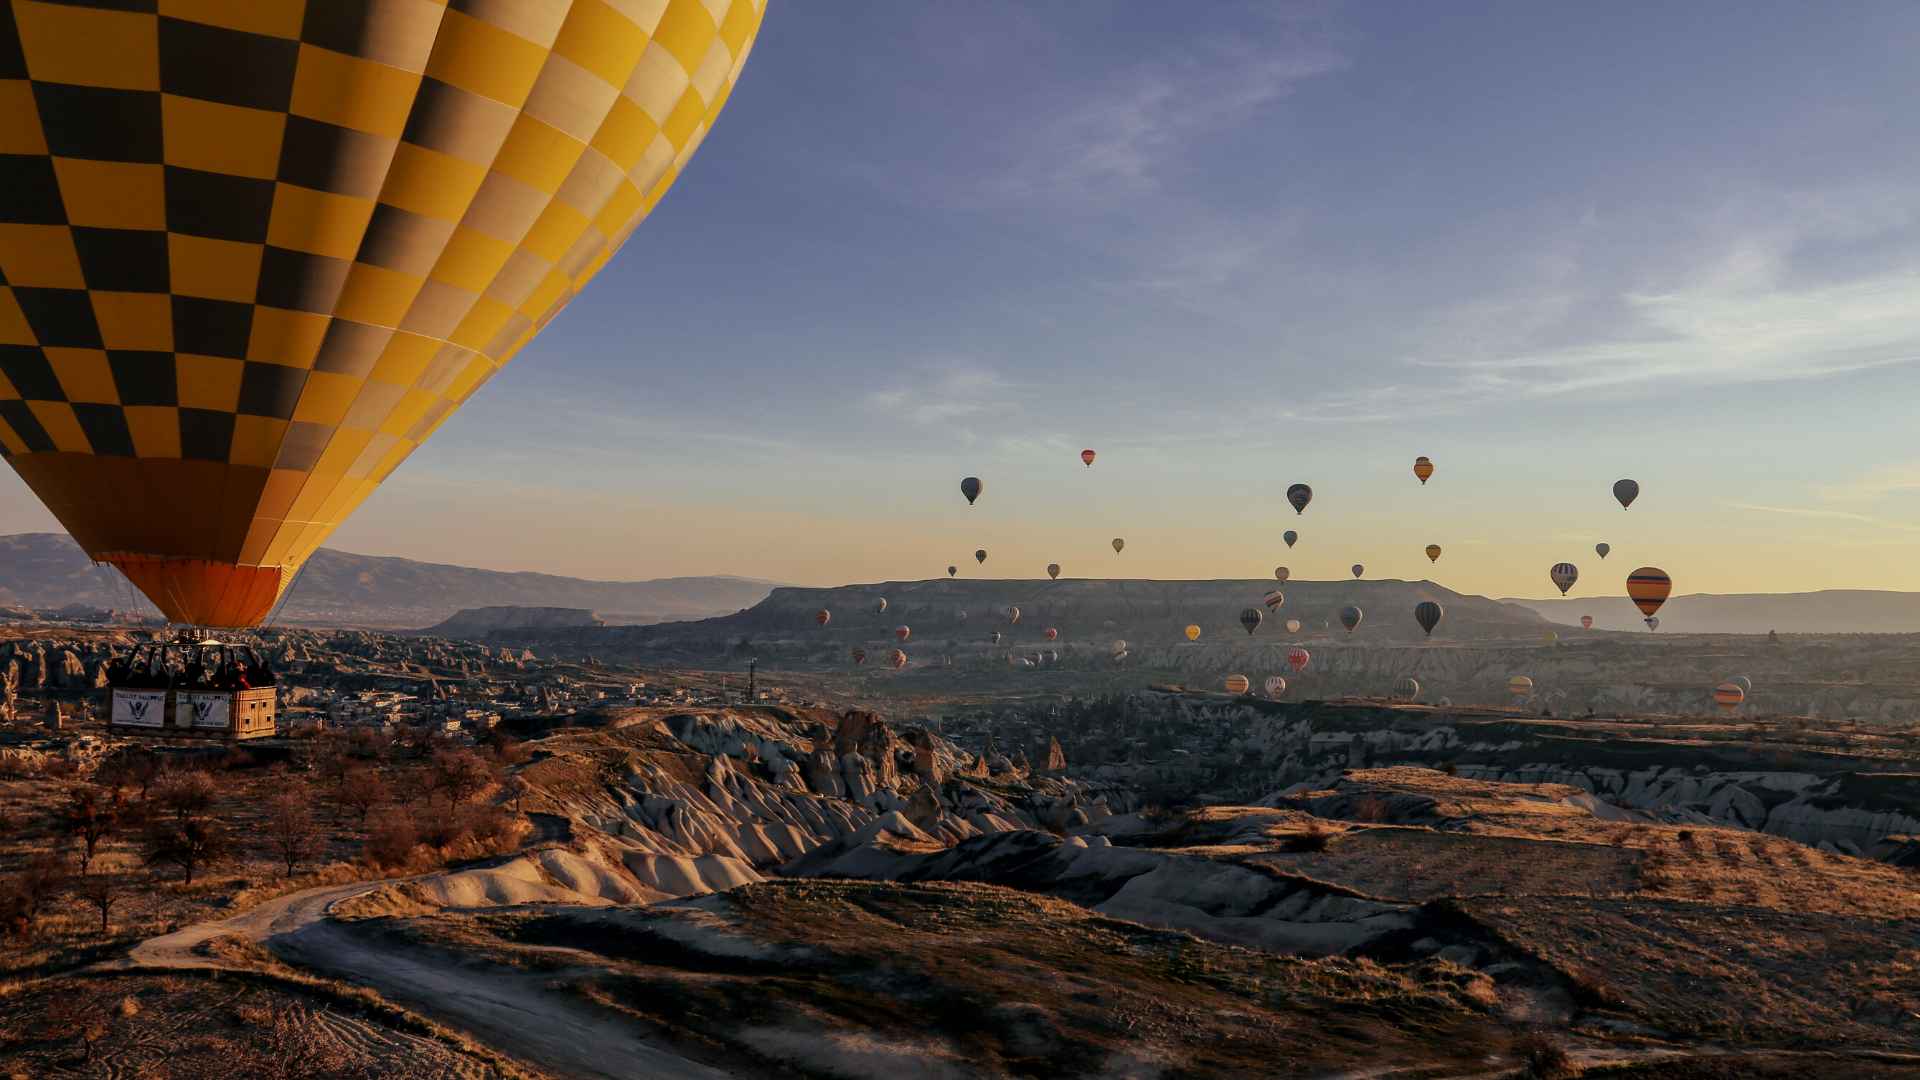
{"points": [[1086, 458], [1553, 637], [1728, 696], [1652, 621], [1520, 686], [1118, 646], [1428, 614], [1407, 688], [823, 616], [980, 556], [1118, 544], [1274, 599], [1051, 634], [1299, 495], [1433, 552], [898, 659], [417, 233], [960, 615], [1422, 468], [952, 570], [1602, 549], [1013, 614], [1745, 684], [971, 488], [1275, 686], [1350, 617], [994, 637], [1053, 570], [1626, 491], [1298, 658], [1358, 569], [1563, 575], [1281, 573], [1290, 537], [1238, 684], [1648, 588], [1293, 626], [1193, 632], [903, 632], [1586, 622], [1250, 618], [859, 656], [1053, 656], [881, 607]]}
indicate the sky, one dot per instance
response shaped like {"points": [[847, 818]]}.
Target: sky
{"points": [[1231, 247]]}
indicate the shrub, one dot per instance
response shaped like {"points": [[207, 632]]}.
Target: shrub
{"points": [[1314, 837], [391, 838], [1542, 1058]]}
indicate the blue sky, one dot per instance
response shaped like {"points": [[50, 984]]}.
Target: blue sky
{"points": [[1232, 246]]}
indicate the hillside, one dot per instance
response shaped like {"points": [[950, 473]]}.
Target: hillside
{"points": [[48, 570], [1829, 611]]}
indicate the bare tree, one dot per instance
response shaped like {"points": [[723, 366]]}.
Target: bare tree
{"points": [[391, 838], [462, 774], [180, 828], [92, 813], [290, 827], [99, 891], [362, 791]]}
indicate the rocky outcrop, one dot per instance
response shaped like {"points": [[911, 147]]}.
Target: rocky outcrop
{"points": [[479, 622]]}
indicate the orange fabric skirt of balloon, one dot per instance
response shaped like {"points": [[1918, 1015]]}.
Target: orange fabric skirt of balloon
{"points": [[201, 592]]}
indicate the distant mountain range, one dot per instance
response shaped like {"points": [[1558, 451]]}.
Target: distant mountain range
{"points": [[1830, 611], [337, 588]]}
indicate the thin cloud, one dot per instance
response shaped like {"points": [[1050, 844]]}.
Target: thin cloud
{"points": [[1826, 515], [1877, 483]]}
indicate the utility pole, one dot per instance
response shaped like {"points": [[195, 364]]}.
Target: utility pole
{"points": [[751, 696]]}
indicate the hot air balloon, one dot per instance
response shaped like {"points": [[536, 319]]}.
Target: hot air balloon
{"points": [[1086, 458], [1520, 686], [1626, 491], [903, 632], [881, 607], [980, 556], [1299, 495], [1051, 634], [1602, 549], [960, 615], [1298, 658], [1281, 573], [1119, 646], [823, 616], [1350, 617], [994, 637], [1053, 570], [1193, 632], [1053, 656], [1290, 537], [1428, 614], [1745, 684], [1553, 637], [1433, 552], [1274, 599], [339, 253], [1118, 544], [859, 656], [1293, 626], [1238, 684], [971, 487], [1013, 614], [1652, 621], [1275, 686], [1563, 575], [1407, 688], [1250, 618], [1648, 588], [1728, 696], [952, 570], [1358, 569], [1586, 622], [898, 659], [1422, 468]]}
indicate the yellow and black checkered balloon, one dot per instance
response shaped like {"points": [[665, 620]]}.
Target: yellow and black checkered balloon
{"points": [[253, 252]]}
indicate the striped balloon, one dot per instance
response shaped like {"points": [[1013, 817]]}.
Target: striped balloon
{"points": [[1422, 468], [1728, 696], [1520, 686], [1281, 573], [1238, 684], [1274, 599], [1276, 686], [1433, 552], [1563, 575], [1648, 588], [1428, 615]]}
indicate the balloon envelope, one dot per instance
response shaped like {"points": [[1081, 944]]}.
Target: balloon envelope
{"points": [[1422, 468], [1648, 588], [1299, 495], [971, 488], [1602, 549], [1728, 695], [1745, 684], [1563, 575], [1051, 633], [1358, 569], [1053, 570], [1428, 614], [1013, 614], [1519, 686], [1293, 626], [1586, 622], [1281, 573], [823, 616], [903, 632], [1118, 544], [952, 570], [1193, 632], [881, 607], [1626, 491], [1275, 686], [898, 659], [1250, 618], [1350, 617], [1238, 684], [980, 556], [1274, 599], [1086, 458], [1298, 658], [1290, 537], [1407, 688], [1433, 552], [859, 656], [336, 253]]}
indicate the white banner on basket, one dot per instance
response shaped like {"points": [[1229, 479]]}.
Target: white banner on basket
{"points": [[206, 710], [140, 708]]}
